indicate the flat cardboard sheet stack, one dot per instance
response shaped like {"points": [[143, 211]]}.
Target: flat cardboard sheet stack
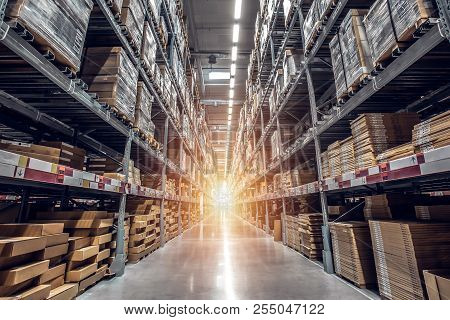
{"points": [[173, 219], [31, 264], [435, 212], [352, 252], [308, 203], [90, 234], [142, 229], [293, 232], [401, 151], [374, 133], [433, 133], [111, 169], [54, 152], [334, 159], [311, 235], [303, 176], [391, 206], [403, 250], [325, 165], [347, 154]]}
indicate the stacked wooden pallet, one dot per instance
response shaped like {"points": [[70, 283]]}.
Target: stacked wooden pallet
{"points": [[352, 253], [31, 262], [54, 152], [433, 133], [403, 250], [90, 235], [374, 133], [311, 235], [293, 232]]}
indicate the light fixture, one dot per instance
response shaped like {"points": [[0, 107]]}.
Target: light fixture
{"points": [[229, 117], [233, 69], [213, 75], [230, 111], [232, 82], [234, 53], [238, 9], [230, 103], [231, 94], [236, 33]]}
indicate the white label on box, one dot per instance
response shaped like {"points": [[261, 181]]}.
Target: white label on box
{"points": [[403, 163], [93, 185], [40, 165], [20, 173], [435, 167], [437, 154], [90, 176], [9, 158], [348, 176], [74, 182], [78, 174], [7, 170], [358, 182], [373, 170], [110, 188]]}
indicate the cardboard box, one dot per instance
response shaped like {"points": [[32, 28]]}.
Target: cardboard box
{"points": [[30, 230], [98, 240], [83, 253], [23, 273], [102, 255], [86, 283], [65, 292], [76, 243], [438, 284], [40, 292], [81, 224], [52, 273], [56, 239], [53, 252], [81, 273], [10, 247]]}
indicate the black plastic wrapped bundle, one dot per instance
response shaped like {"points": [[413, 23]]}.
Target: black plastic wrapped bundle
{"points": [[56, 24], [355, 47], [340, 79], [148, 49], [133, 17]]}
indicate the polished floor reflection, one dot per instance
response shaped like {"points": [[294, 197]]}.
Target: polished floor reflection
{"points": [[224, 259]]}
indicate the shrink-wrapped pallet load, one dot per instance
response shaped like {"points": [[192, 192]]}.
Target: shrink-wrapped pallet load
{"points": [[133, 17], [57, 25]]}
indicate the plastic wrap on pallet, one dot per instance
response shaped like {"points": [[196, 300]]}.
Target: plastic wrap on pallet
{"points": [[148, 49], [291, 62], [56, 24], [144, 100], [155, 7], [287, 4], [111, 74], [355, 48], [340, 79], [310, 23], [163, 30], [133, 17]]}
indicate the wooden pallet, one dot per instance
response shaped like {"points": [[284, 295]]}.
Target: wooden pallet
{"points": [[120, 115]]}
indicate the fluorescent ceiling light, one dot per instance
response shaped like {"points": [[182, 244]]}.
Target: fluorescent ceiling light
{"points": [[230, 103], [213, 75], [230, 111], [236, 33], [233, 69], [232, 82], [238, 9], [231, 94], [229, 123], [234, 53], [229, 117]]}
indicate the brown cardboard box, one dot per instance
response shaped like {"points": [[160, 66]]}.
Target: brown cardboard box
{"points": [[56, 239], [53, 252], [81, 273], [277, 230], [98, 240], [73, 215], [102, 255], [83, 254], [64, 292], [81, 224], [57, 282], [30, 230], [11, 247], [76, 243], [40, 292], [96, 277], [23, 273], [438, 284], [52, 273]]}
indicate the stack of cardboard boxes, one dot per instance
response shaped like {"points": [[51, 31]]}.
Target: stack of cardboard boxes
{"points": [[311, 235], [293, 232]]}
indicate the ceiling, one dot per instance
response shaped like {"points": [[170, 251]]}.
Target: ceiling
{"points": [[210, 24]]}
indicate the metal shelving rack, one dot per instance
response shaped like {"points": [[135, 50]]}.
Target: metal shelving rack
{"points": [[61, 107], [404, 72]]}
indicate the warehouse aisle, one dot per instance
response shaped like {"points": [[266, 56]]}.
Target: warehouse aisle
{"points": [[228, 259]]}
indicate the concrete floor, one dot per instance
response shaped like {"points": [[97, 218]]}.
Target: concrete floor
{"points": [[224, 259]]}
